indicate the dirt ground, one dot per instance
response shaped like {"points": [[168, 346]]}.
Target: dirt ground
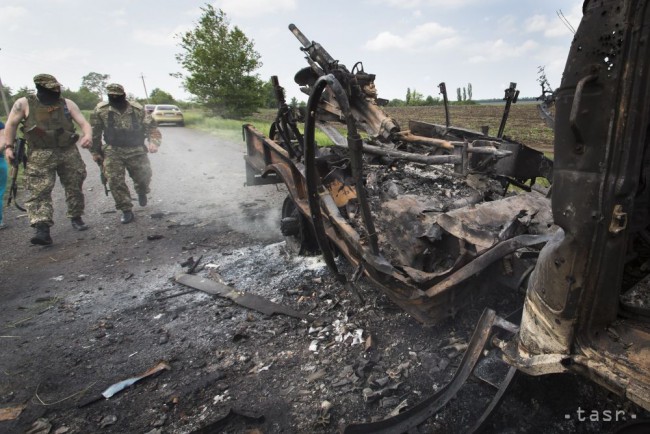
{"points": [[102, 306]]}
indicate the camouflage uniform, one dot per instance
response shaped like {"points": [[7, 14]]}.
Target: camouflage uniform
{"points": [[124, 133], [52, 150]]}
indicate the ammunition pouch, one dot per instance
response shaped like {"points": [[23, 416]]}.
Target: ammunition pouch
{"points": [[51, 139]]}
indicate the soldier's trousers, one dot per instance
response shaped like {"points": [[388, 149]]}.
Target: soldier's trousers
{"points": [[134, 161], [43, 165]]}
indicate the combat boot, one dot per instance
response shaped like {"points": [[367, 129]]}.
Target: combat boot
{"points": [[142, 199], [42, 236], [78, 224], [127, 217]]}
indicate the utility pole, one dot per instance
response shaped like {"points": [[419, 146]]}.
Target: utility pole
{"points": [[4, 98], [146, 95]]}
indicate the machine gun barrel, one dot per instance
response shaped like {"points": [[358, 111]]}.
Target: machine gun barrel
{"points": [[315, 50], [299, 35]]}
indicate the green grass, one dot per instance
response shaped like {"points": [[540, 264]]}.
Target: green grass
{"points": [[227, 129], [231, 129]]}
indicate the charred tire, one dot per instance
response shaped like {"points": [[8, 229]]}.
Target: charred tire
{"points": [[297, 231]]}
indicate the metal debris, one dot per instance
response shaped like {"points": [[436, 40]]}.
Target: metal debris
{"points": [[245, 299], [118, 387], [11, 413], [323, 418], [40, 426]]}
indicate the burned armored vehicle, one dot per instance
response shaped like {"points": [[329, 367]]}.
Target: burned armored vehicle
{"points": [[419, 211]]}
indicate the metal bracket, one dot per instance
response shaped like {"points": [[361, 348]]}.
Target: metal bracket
{"points": [[619, 220]]}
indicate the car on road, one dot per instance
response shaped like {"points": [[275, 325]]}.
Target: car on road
{"points": [[167, 113], [148, 108]]}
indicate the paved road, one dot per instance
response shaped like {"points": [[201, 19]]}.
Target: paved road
{"points": [[198, 181], [197, 192], [53, 299]]}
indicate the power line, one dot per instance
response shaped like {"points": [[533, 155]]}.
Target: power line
{"points": [[565, 21]]}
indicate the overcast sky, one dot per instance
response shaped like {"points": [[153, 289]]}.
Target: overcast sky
{"points": [[412, 44]]}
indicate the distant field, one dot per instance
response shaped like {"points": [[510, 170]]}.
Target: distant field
{"points": [[524, 123]]}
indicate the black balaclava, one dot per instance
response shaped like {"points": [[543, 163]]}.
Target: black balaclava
{"points": [[117, 101], [47, 96]]}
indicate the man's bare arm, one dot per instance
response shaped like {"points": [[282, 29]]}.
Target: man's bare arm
{"points": [[79, 118], [16, 115]]}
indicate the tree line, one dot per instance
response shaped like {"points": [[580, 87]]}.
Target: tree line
{"points": [[416, 99], [92, 91]]}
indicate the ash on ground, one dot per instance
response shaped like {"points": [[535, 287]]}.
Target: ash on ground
{"points": [[353, 362]]}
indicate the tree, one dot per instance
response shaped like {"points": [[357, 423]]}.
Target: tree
{"points": [[95, 82], [269, 95], [159, 96], [84, 97], [459, 97], [464, 94], [221, 62], [396, 102], [469, 91], [408, 95], [431, 100]]}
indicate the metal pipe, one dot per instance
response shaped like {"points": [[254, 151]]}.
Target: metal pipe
{"points": [[355, 144], [311, 175]]}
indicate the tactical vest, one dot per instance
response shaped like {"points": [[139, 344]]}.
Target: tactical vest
{"points": [[133, 136], [49, 126]]}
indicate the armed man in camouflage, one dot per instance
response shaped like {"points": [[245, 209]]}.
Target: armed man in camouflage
{"points": [[51, 142], [125, 125]]}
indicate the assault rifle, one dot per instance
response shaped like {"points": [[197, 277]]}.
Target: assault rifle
{"points": [[20, 157], [102, 174]]}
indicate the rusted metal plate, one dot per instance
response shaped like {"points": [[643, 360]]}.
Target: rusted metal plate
{"points": [[251, 301]]}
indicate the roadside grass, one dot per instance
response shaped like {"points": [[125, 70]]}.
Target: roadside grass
{"points": [[227, 129], [231, 129]]}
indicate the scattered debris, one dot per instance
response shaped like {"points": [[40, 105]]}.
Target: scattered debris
{"points": [[107, 420], [118, 387], [11, 413], [222, 422], [192, 268], [41, 426], [155, 237], [316, 376], [323, 418], [245, 299]]}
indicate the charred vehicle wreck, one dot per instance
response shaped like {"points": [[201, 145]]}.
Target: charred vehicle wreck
{"points": [[420, 211], [430, 215]]}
